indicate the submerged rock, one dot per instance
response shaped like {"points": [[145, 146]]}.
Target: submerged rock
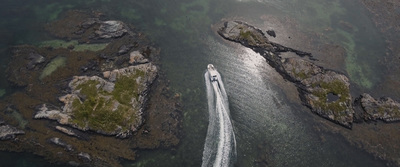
{"points": [[112, 107], [84, 156], [124, 49], [315, 83], [111, 29], [34, 60], [59, 142], [385, 109]]}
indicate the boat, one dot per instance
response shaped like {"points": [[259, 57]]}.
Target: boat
{"points": [[212, 72]]}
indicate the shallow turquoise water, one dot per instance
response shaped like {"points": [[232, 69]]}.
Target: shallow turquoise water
{"points": [[259, 111]]}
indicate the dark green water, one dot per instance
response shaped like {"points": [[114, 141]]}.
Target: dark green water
{"points": [[182, 29]]}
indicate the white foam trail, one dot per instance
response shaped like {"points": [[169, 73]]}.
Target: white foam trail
{"points": [[220, 145]]}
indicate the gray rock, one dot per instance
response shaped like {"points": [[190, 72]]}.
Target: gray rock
{"points": [[385, 109], [59, 142], [124, 49], [111, 29], [51, 112], [253, 38], [136, 57], [89, 22], [8, 132], [35, 59], [85, 156], [67, 131], [247, 35]]}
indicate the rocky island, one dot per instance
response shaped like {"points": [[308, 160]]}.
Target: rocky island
{"points": [[91, 95], [326, 92]]}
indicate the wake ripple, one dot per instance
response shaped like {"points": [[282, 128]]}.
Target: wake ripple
{"points": [[220, 145]]}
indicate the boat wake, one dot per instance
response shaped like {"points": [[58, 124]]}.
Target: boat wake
{"points": [[220, 145]]}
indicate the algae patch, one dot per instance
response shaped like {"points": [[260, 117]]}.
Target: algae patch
{"points": [[21, 121], [74, 44], [90, 47], [57, 62], [359, 72]]}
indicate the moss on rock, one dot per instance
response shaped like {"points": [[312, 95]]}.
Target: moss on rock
{"points": [[385, 109], [111, 107], [336, 87]]}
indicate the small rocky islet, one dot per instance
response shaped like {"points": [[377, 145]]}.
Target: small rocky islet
{"points": [[326, 92], [92, 95]]}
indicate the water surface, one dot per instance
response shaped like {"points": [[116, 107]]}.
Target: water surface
{"points": [[265, 123]]}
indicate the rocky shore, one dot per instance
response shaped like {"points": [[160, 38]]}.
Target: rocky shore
{"points": [[92, 95], [326, 92]]}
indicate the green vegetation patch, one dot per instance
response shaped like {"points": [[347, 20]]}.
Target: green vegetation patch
{"points": [[335, 87], [249, 36], [126, 87], [90, 47], [104, 111], [252, 37], [301, 75]]}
